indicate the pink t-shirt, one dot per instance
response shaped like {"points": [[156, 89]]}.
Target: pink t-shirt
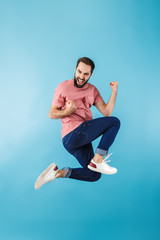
{"points": [[83, 98]]}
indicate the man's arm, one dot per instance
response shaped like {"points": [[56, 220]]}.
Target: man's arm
{"points": [[106, 109], [56, 113]]}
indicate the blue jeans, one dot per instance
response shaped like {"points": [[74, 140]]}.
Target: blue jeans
{"points": [[79, 144]]}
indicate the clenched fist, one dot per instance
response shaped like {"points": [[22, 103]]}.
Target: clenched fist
{"points": [[70, 107], [114, 86]]}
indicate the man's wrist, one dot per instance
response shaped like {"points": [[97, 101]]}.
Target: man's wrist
{"points": [[114, 92]]}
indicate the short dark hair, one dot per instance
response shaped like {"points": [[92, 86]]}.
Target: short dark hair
{"points": [[87, 61]]}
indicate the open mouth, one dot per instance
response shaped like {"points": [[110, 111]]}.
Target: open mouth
{"points": [[80, 81]]}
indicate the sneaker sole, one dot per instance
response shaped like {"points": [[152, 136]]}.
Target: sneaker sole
{"points": [[96, 170], [39, 181]]}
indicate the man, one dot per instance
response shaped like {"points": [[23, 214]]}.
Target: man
{"points": [[71, 103]]}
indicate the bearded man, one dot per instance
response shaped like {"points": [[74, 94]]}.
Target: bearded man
{"points": [[71, 103]]}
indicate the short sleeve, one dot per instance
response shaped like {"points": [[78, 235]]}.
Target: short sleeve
{"points": [[58, 99], [98, 97]]}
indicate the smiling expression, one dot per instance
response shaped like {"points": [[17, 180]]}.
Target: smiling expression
{"points": [[82, 74]]}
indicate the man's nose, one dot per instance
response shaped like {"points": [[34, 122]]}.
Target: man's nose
{"points": [[81, 76]]}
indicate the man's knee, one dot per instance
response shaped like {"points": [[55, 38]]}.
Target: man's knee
{"points": [[116, 121]]}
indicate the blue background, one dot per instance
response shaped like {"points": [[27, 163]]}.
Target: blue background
{"points": [[40, 42]]}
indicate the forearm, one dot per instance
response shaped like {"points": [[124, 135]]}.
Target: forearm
{"points": [[57, 113], [110, 105]]}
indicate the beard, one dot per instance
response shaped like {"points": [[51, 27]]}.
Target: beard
{"points": [[78, 85]]}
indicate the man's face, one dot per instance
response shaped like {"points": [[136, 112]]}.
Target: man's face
{"points": [[82, 74]]}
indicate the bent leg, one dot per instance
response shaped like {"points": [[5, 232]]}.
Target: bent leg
{"points": [[88, 131], [109, 135], [78, 143]]}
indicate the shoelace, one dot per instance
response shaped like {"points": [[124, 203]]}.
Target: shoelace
{"points": [[105, 159]]}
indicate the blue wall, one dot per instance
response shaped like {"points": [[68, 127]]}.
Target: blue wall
{"points": [[40, 42]]}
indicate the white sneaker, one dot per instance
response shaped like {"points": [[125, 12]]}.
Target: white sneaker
{"points": [[102, 167], [48, 175]]}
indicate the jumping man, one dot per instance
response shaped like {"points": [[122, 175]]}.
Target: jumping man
{"points": [[71, 103]]}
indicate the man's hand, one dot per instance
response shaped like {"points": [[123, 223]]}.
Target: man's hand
{"points": [[114, 86], [56, 113], [70, 107], [106, 109]]}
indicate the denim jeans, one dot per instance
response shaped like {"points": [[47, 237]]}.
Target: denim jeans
{"points": [[79, 144]]}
